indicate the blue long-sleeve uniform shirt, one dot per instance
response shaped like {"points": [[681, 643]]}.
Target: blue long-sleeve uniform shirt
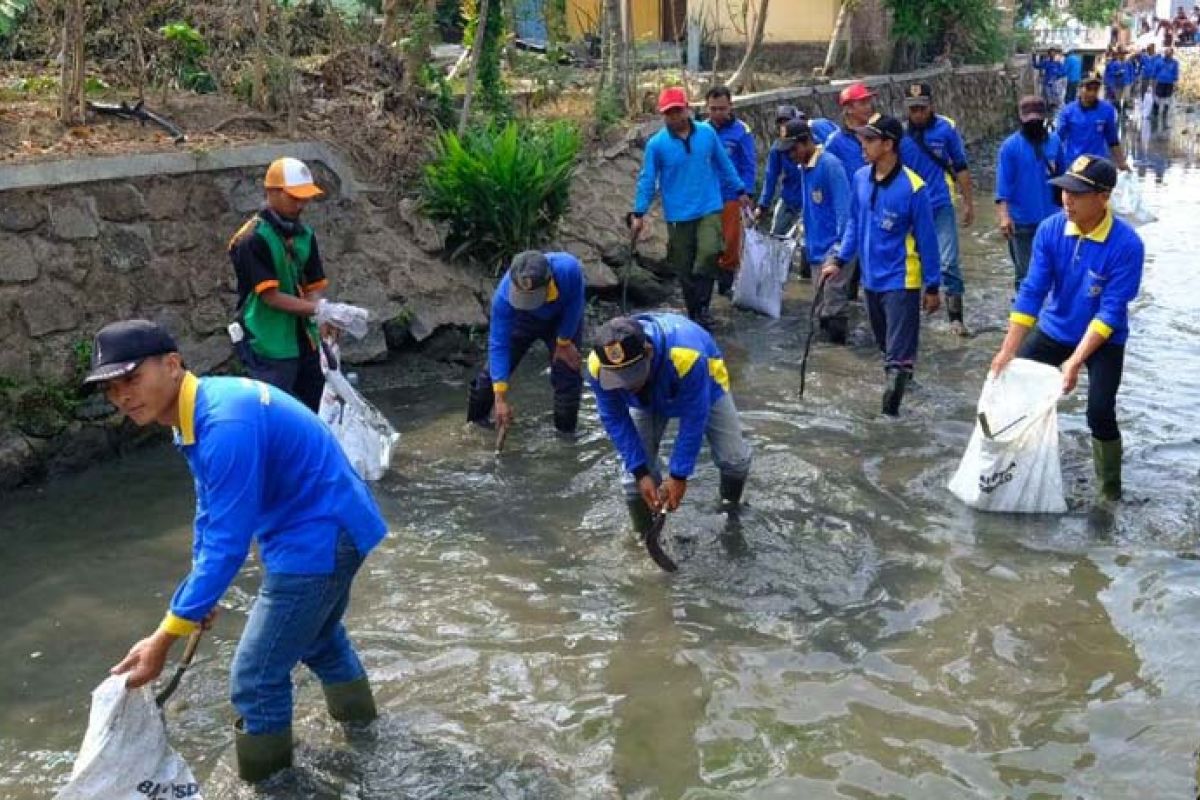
{"points": [[1052, 69], [1087, 131], [267, 469], [1168, 71], [738, 140], [844, 144], [1132, 68], [1079, 283], [780, 164], [891, 231], [822, 129], [687, 375], [1073, 68], [949, 157], [1114, 74], [691, 174], [1023, 177], [1152, 66], [565, 298], [826, 205]]}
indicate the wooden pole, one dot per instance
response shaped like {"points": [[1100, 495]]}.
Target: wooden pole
{"points": [[476, 53]]}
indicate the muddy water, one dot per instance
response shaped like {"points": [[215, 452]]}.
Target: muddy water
{"points": [[856, 633]]}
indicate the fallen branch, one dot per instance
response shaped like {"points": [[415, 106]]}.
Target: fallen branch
{"points": [[267, 123]]}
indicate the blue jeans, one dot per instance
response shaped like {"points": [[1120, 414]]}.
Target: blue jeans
{"points": [[730, 452], [947, 234], [1020, 249], [296, 618], [896, 323]]}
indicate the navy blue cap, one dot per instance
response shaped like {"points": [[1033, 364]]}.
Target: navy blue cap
{"points": [[119, 347]]}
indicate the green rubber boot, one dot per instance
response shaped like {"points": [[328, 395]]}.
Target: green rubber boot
{"points": [[351, 701], [259, 756], [640, 516], [1107, 461]]}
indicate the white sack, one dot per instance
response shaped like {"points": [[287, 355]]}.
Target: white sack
{"points": [[1017, 468], [365, 434], [766, 261], [125, 753], [1127, 202]]}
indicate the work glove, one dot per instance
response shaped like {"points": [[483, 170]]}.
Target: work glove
{"points": [[351, 319]]}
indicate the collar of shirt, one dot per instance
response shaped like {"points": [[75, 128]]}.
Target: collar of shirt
{"points": [[887, 179], [1098, 234], [812, 162], [185, 434]]}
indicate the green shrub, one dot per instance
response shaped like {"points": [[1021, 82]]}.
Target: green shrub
{"points": [[501, 189]]}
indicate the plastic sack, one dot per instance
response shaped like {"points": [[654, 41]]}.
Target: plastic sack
{"points": [[1147, 104], [1127, 202], [1012, 462], [343, 316], [366, 436], [125, 754], [766, 261]]}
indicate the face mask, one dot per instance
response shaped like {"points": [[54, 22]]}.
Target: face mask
{"points": [[1034, 129]]}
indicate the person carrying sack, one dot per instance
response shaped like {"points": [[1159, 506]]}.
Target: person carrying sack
{"points": [[1089, 264], [269, 471]]}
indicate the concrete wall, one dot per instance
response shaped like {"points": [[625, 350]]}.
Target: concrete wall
{"points": [[787, 22]]}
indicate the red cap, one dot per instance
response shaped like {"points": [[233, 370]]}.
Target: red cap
{"points": [[853, 92], [672, 97]]}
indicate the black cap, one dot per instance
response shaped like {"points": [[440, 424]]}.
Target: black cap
{"points": [[119, 347], [785, 113], [620, 346], [918, 94], [529, 277], [882, 127], [1088, 174], [797, 131], [1092, 77]]}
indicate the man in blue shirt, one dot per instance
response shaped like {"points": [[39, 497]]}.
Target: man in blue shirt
{"points": [[540, 298], [1166, 75], [1115, 86], [650, 369], [1149, 61], [1028, 160], [1073, 72], [1089, 126], [738, 140], [934, 149], [266, 470], [858, 106], [891, 230], [687, 164], [1054, 77], [791, 194], [826, 211], [1073, 307]]}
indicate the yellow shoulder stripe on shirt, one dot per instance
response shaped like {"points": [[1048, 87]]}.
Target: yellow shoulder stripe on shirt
{"points": [[914, 179], [684, 358], [593, 364], [187, 409], [551, 291], [745, 127], [247, 226], [950, 120]]}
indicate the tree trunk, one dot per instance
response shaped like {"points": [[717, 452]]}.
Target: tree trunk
{"points": [[391, 23], [839, 26], [754, 44], [416, 52], [258, 91], [70, 110], [133, 20], [288, 70], [476, 53]]}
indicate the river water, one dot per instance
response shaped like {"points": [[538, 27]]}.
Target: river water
{"points": [[856, 633]]}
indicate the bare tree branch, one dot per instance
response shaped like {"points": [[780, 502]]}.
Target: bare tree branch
{"points": [[745, 70]]}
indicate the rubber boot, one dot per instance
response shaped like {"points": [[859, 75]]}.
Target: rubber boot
{"points": [[259, 756], [954, 310], [566, 414], [731, 491], [351, 701], [893, 394], [1106, 457], [641, 516], [836, 328], [480, 400]]}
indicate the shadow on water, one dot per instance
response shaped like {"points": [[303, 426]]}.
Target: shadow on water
{"points": [[854, 632]]}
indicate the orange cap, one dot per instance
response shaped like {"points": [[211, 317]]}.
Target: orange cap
{"points": [[672, 97], [292, 176]]}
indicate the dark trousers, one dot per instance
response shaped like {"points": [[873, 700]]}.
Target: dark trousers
{"points": [[896, 322], [1072, 91], [566, 382], [300, 377], [1020, 249], [1104, 378]]}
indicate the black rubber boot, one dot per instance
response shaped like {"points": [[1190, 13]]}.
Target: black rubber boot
{"points": [[566, 414], [893, 394], [641, 516], [836, 328], [1106, 458], [351, 701], [261, 756], [480, 400], [954, 310], [731, 491]]}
